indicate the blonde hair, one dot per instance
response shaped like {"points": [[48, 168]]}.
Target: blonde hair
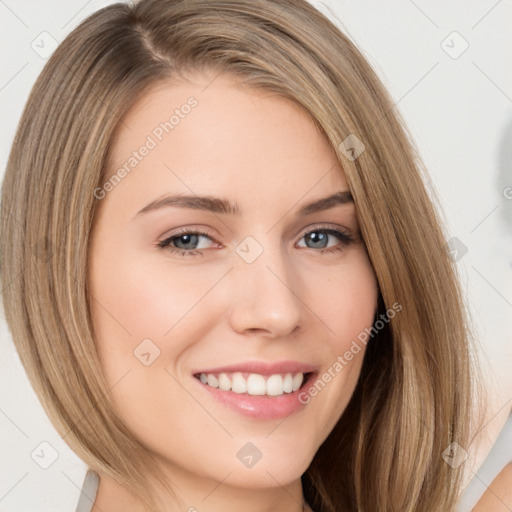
{"points": [[413, 398]]}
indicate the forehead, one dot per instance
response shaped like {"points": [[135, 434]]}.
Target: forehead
{"points": [[212, 135]]}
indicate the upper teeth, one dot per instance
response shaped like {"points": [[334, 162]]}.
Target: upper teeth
{"points": [[254, 384]]}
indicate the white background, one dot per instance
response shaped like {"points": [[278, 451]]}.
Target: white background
{"points": [[459, 111]]}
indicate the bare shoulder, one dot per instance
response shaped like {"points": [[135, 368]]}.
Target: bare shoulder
{"points": [[498, 496]]}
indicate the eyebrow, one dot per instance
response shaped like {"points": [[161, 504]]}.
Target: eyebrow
{"points": [[223, 206]]}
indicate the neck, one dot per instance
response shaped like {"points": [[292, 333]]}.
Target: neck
{"points": [[195, 494]]}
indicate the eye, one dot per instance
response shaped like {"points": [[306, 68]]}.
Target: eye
{"points": [[319, 237], [187, 242]]}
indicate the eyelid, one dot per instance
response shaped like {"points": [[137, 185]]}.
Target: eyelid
{"points": [[325, 225], [187, 229]]}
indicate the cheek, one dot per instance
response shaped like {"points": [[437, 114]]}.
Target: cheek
{"points": [[143, 298], [143, 316], [136, 298], [347, 300], [346, 305]]}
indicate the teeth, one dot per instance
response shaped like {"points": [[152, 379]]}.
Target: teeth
{"points": [[224, 382], [213, 381], [275, 385], [288, 383], [238, 384], [297, 381], [254, 384]]}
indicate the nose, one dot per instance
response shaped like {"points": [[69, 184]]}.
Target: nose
{"points": [[266, 297]]}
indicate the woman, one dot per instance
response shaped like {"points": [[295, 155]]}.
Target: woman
{"points": [[253, 370]]}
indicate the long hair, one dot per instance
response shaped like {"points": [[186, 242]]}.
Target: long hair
{"points": [[414, 395]]}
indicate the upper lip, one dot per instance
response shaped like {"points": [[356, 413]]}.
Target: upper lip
{"points": [[262, 368]]}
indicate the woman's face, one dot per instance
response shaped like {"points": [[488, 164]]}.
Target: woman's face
{"points": [[260, 297]]}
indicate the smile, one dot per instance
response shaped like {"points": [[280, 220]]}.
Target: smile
{"points": [[254, 383], [256, 396]]}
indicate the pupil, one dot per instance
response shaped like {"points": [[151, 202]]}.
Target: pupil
{"points": [[186, 239], [318, 236]]}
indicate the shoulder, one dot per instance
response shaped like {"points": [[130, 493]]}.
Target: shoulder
{"points": [[498, 496]]}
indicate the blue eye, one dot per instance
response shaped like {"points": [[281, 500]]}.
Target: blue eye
{"points": [[320, 236], [184, 238], [186, 242]]}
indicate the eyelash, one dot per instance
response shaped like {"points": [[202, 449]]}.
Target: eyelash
{"points": [[345, 238]]}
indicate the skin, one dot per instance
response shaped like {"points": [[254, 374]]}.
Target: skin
{"points": [[292, 303], [498, 496]]}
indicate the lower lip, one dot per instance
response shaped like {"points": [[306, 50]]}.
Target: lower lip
{"points": [[260, 407]]}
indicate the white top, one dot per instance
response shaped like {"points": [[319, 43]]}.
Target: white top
{"points": [[499, 456], [88, 492]]}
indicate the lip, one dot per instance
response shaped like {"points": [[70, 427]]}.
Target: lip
{"points": [[263, 368], [260, 407]]}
